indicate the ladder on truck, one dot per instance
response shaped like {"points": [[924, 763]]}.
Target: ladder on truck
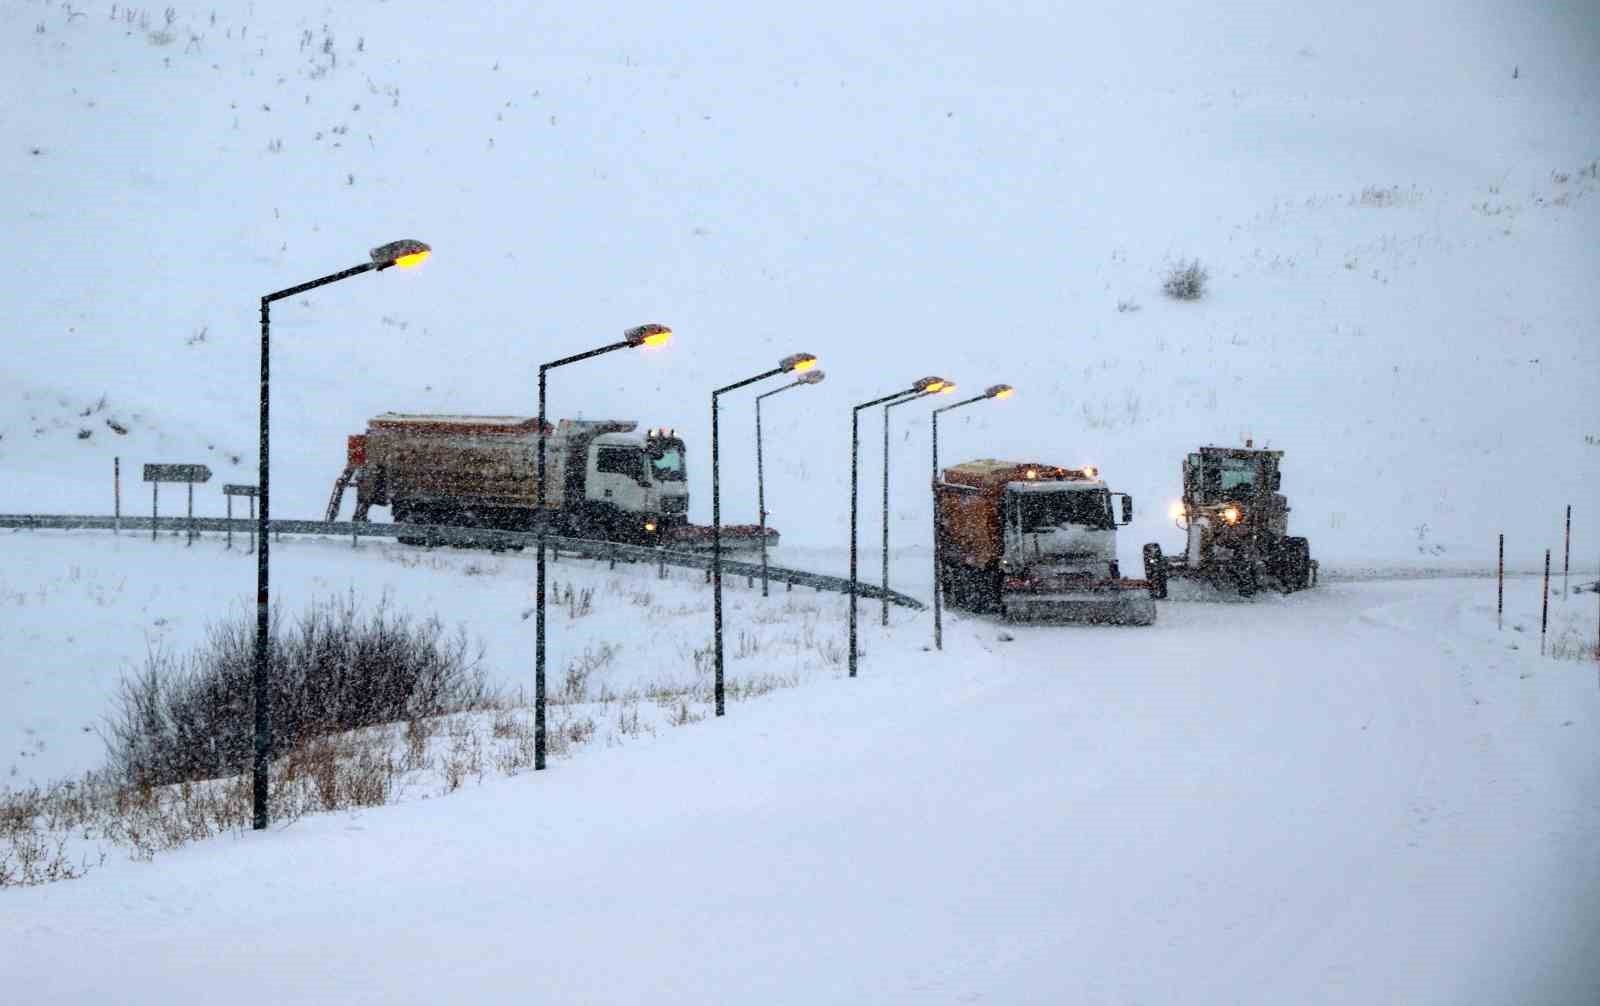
{"points": [[351, 474], [355, 459]]}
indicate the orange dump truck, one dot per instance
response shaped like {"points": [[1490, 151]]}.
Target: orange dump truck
{"points": [[1032, 541]]}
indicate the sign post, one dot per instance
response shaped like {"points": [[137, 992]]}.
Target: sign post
{"points": [[157, 474]]}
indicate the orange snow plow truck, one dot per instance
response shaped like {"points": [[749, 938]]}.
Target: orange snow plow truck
{"points": [[1035, 542]]}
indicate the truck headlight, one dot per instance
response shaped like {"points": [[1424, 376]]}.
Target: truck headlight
{"points": [[1231, 515]]}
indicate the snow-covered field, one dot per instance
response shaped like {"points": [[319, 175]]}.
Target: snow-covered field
{"points": [[1363, 793]]}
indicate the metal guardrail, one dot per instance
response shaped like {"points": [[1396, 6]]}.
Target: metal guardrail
{"points": [[439, 534]]}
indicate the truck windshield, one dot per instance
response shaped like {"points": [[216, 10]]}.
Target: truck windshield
{"points": [[1084, 507], [666, 460]]}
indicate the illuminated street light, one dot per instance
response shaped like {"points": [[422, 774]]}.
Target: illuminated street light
{"points": [[926, 384], [402, 253], [995, 391], [794, 364], [634, 338], [807, 377], [943, 388]]}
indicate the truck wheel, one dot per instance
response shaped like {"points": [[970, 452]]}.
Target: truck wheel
{"points": [[996, 592], [1155, 570], [404, 513]]}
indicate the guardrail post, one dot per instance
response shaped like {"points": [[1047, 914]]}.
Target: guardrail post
{"points": [[155, 490], [229, 545], [190, 541]]}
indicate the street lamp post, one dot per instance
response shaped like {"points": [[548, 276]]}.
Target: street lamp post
{"points": [[642, 335], [797, 363], [944, 389], [404, 253], [926, 384], [995, 391], [809, 377]]}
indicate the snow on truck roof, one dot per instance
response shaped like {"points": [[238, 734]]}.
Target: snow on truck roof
{"points": [[447, 423], [988, 472]]}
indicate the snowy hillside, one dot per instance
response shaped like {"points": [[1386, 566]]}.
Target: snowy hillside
{"points": [[1396, 206]]}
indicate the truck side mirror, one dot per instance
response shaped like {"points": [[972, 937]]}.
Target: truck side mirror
{"points": [[1127, 509], [1277, 479]]}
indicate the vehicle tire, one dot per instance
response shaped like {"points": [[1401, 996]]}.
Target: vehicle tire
{"points": [[404, 513], [1296, 563], [1155, 571], [1244, 578]]}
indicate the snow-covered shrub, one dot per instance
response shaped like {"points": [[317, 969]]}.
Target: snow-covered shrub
{"points": [[1186, 281], [335, 670]]}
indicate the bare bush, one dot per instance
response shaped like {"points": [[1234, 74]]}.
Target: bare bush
{"points": [[578, 603], [1186, 280], [336, 670], [749, 645], [681, 715], [575, 682], [28, 858]]}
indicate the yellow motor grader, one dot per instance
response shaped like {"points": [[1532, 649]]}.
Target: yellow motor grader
{"points": [[1237, 524]]}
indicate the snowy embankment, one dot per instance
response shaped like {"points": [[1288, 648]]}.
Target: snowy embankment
{"points": [[1360, 793]]}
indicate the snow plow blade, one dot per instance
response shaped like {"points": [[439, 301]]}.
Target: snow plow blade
{"points": [[735, 537], [1081, 607]]}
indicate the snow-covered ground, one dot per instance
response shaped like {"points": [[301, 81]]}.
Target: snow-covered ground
{"points": [[1364, 793]]}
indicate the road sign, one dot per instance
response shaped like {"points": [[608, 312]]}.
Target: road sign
{"points": [[177, 473], [235, 490], [157, 474]]}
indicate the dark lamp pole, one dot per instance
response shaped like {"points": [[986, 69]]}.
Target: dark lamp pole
{"points": [[926, 384], [797, 363], [403, 253], [634, 338], [944, 389], [808, 377], [994, 391]]}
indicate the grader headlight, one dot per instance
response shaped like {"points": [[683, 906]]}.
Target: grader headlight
{"points": [[1231, 515]]}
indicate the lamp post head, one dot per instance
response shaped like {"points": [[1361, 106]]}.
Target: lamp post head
{"points": [[1000, 391], [947, 387], [651, 334], [929, 385], [810, 377], [797, 363], [404, 253]]}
